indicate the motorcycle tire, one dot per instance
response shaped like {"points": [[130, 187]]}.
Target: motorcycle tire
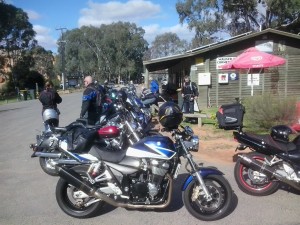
{"points": [[47, 167], [218, 207], [253, 182], [66, 201]]}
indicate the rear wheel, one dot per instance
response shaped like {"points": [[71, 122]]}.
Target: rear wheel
{"points": [[251, 181], [208, 210], [74, 202]]}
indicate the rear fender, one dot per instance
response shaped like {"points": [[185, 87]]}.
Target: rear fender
{"points": [[204, 172]]}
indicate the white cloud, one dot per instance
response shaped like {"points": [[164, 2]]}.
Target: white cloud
{"points": [[135, 11], [105, 13], [33, 15], [183, 32], [44, 38]]}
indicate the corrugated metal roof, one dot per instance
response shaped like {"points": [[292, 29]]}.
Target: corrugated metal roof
{"points": [[161, 62]]}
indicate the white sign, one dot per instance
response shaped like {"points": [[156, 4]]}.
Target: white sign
{"points": [[264, 46], [204, 79], [222, 61], [253, 79], [193, 68], [223, 78]]}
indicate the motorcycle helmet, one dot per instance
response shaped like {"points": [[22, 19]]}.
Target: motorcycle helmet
{"points": [[113, 94], [281, 132], [170, 115], [50, 116], [122, 96]]}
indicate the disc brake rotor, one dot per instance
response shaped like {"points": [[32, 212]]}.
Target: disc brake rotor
{"points": [[257, 177]]}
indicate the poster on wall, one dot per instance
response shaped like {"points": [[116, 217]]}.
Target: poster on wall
{"points": [[233, 76], [223, 78], [204, 79], [253, 79]]}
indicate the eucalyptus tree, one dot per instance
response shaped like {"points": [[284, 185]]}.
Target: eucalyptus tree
{"points": [[16, 36], [210, 17], [111, 51], [167, 44], [16, 32]]}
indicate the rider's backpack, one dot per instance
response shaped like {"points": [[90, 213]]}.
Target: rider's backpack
{"points": [[99, 95]]}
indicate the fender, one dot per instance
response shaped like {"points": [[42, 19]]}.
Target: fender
{"points": [[204, 172]]}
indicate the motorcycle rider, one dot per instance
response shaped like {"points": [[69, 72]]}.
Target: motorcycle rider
{"points": [[50, 98], [89, 109]]}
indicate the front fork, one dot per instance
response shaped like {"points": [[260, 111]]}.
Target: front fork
{"points": [[194, 172]]}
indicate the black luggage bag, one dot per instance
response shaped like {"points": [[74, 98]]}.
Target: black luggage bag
{"points": [[230, 116]]}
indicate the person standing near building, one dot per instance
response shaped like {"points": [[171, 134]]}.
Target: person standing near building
{"points": [[89, 108], [189, 94], [154, 86]]}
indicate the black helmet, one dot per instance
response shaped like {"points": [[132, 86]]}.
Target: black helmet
{"points": [[122, 96], [282, 132], [113, 94], [170, 115]]}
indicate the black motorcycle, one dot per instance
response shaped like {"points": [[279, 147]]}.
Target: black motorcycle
{"points": [[273, 159]]}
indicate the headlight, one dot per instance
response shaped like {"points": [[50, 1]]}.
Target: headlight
{"points": [[193, 143]]}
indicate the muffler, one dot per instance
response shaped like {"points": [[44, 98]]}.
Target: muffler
{"points": [[267, 170], [76, 180], [47, 155], [257, 166]]}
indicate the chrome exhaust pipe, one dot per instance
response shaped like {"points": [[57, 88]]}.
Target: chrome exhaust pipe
{"points": [[75, 179], [47, 155], [267, 170]]}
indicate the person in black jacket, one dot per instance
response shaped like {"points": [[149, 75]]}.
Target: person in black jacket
{"points": [[189, 94], [89, 108], [49, 97]]}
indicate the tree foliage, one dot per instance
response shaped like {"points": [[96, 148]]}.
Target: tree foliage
{"points": [[16, 32], [167, 44], [209, 17], [113, 51]]}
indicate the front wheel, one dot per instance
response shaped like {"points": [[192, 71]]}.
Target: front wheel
{"points": [[253, 182], [196, 203]]}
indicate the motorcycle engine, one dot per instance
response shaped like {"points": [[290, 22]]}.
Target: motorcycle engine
{"points": [[149, 185]]}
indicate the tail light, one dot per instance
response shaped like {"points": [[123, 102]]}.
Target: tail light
{"points": [[220, 110]]}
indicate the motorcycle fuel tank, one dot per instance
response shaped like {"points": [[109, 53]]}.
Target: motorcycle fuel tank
{"points": [[109, 132], [159, 147]]}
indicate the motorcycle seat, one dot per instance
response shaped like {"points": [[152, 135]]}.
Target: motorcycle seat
{"points": [[269, 143], [106, 155]]}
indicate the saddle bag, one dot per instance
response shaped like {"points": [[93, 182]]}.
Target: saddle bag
{"points": [[230, 116]]}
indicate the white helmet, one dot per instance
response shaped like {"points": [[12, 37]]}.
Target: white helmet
{"points": [[50, 116]]}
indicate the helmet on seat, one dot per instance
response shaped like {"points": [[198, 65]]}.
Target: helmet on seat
{"points": [[50, 117], [170, 115], [282, 132]]}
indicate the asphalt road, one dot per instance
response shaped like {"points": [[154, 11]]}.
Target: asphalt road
{"points": [[28, 194]]}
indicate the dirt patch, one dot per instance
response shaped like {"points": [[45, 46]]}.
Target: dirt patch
{"points": [[215, 145]]}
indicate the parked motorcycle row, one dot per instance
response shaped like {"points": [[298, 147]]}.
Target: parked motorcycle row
{"points": [[122, 161]]}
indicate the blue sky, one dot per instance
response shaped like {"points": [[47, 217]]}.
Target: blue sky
{"points": [[154, 16]]}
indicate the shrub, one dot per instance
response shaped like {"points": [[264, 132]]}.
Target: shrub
{"points": [[265, 111]]}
